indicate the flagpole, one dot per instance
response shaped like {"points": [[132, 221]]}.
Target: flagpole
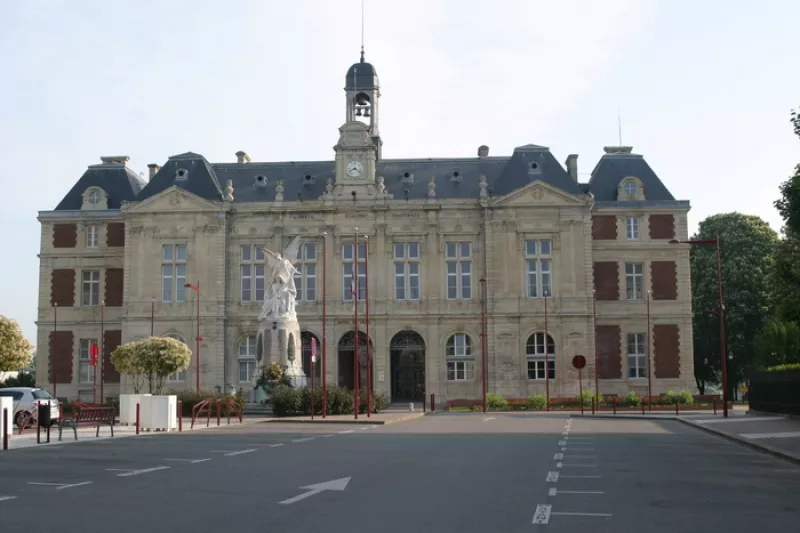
{"points": [[366, 321], [356, 358]]}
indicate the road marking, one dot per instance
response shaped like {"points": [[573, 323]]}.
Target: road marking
{"points": [[363, 428], [191, 461], [331, 435], [373, 427], [562, 443], [565, 433], [793, 470], [579, 465], [143, 471], [605, 515], [275, 445], [552, 476], [240, 452], [582, 477], [303, 440], [346, 431], [583, 456], [739, 419], [542, 514], [487, 419], [555, 492], [335, 484], [558, 456], [61, 486], [582, 449], [6, 498], [559, 465], [780, 435]]}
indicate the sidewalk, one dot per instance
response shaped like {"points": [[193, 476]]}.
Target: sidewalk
{"points": [[382, 418]]}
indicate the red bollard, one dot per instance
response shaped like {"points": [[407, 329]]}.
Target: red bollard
{"points": [[138, 420], [180, 416], [219, 407], [5, 429], [433, 402]]}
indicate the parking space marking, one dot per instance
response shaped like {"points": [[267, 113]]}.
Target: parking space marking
{"points": [[555, 492], [603, 515], [347, 431], [6, 498], [61, 486], [552, 476], [276, 445], [576, 465], [130, 473], [306, 439], [542, 514], [190, 461]]}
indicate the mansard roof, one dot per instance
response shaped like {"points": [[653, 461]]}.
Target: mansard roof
{"points": [[119, 182]]}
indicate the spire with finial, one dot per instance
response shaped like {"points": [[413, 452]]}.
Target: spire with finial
{"points": [[362, 31]]}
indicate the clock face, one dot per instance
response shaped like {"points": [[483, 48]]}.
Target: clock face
{"points": [[354, 169]]}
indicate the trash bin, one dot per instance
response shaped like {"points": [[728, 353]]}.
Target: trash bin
{"points": [[44, 415]]}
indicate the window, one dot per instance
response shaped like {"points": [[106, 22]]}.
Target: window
{"points": [[92, 239], [173, 272], [347, 271], [90, 287], [306, 278], [459, 270], [632, 228], [252, 272], [94, 196], [634, 278], [539, 268], [460, 363], [85, 370], [629, 188], [247, 358], [535, 350], [177, 377], [637, 358], [406, 270]]}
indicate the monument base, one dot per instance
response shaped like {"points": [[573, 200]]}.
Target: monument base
{"points": [[276, 336]]}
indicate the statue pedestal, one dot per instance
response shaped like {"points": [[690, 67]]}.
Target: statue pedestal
{"points": [[275, 337]]}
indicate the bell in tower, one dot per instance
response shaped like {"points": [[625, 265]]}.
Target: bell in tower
{"points": [[362, 91]]}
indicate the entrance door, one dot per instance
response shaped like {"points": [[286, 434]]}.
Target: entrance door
{"points": [[407, 367]]}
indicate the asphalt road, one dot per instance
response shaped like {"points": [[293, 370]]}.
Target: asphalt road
{"points": [[445, 473]]}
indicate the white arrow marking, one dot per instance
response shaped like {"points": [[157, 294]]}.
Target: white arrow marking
{"points": [[558, 456], [336, 484], [552, 477], [542, 514]]}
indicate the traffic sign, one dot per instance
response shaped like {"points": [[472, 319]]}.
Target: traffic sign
{"points": [[579, 362], [93, 352]]}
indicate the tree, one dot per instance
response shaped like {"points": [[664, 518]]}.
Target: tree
{"points": [[747, 245], [777, 344], [15, 350], [124, 360], [154, 359]]}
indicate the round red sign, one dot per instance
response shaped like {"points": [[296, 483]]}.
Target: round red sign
{"points": [[579, 362], [93, 350]]}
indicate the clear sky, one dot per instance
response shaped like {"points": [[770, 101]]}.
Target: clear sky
{"points": [[703, 88]]}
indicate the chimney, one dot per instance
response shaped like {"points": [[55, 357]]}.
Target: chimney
{"points": [[242, 157], [153, 170], [483, 151], [115, 160], [572, 166], [613, 150]]}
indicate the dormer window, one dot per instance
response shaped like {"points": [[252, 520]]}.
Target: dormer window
{"points": [[94, 197], [181, 174], [630, 188]]}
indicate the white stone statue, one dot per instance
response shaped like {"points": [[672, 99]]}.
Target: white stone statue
{"points": [[281, 291]]}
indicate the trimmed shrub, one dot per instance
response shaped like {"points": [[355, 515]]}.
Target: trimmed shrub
{"points": [[537, 402], [496, 402], [632, 399]]}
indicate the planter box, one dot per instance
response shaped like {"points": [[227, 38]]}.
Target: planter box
{"points": [[127, 408], [7, 403], [159, 412]]}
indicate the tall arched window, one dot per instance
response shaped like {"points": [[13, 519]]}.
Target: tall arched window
{"points": [[177, 377], [247, 358], [535, 350], [460, 360]]}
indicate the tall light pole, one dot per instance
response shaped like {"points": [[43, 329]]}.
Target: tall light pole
{"points": [[152, 316], [546, 351], [649, 358], [102, 349], [366, 323], [596, 358], [54, 350], [197, 339], [484, 344], [723, 349], [324, 321], [356, 354]]}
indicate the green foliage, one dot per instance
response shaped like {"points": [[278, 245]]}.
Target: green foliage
{"points": [[154, 358], [537, 402], [747, 244], [632, 399], [778, 343], [496, 402], [785, 278], [791, 367], [15, 350], [23, 379], [586, 398], [124, 359], [683, 397], [289, 401]]}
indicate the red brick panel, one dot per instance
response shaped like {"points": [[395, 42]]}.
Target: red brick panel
{"points": [[604, 227], [65, 236], [61, 357], [664, 277], [609, 352], [62, 288], [114, 279], [662, 227], [111, 340], [666, 348], [606, 280], [115, 234]]}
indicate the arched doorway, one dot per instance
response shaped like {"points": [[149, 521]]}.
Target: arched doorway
{"points": [[305, 340], [407, 351], [346, 350]]}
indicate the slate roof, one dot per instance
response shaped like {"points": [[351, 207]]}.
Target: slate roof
{"points": [[361, 75], [198, 177], [614, 167], [120, 183]]}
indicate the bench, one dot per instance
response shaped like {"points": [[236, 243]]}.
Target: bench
{"points": [[89, 416]]}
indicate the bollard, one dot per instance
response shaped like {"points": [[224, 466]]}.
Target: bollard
{"points": [[219, 407], [180, 416], [714, 403], [676, 409], [5, 429], [593, 402], [138, 419], [424, 404], [614, 404], [642, 407], [433, 402], [411, 407]]}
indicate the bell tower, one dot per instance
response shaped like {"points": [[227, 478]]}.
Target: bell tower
{"points": [[362, 92]]}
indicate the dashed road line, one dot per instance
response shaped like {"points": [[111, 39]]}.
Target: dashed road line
{"points": [[488, 418], [240, 452], [276, 445]]}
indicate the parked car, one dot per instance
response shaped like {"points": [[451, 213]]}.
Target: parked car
{"points": [[27, 400]]}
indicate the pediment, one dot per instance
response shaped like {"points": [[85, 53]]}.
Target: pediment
{"points": [[539, 193], [173, 199]]}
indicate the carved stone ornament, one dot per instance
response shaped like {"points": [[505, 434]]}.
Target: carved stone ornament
{"points": [[537, 193], [175, 199], [136, 230], [228, 192], [252, 231], [432, 188]]}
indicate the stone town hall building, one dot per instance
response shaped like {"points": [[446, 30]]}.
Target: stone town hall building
{"points": [[125, 247]]}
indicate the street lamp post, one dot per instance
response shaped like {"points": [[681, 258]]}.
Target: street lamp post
{"points": [[197, 339], [484, 344], [721, 303], [324, 322]]}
